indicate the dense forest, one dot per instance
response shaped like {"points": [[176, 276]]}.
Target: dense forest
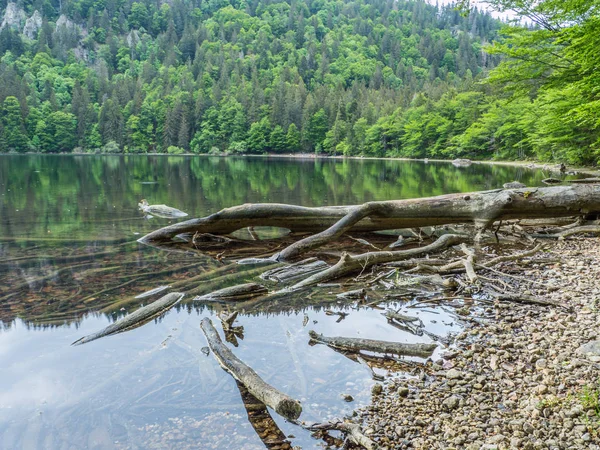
{"points": [[362, 77]]}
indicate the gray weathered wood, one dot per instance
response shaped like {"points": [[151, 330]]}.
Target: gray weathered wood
{"points": [[480, 207], [236, 293], [135, 319], [372, 345], [280, 402]]}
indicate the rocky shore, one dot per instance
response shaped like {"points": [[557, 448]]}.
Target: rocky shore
{"points": [[529, 379]]}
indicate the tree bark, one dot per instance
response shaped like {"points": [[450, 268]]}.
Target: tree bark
{"points": [[482, 208], [280, 402]]}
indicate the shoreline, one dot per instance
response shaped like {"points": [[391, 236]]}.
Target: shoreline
{"points": [[522, 380], [528, 164]]}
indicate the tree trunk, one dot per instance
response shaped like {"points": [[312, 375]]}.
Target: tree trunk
{"points": [[481, 208]]}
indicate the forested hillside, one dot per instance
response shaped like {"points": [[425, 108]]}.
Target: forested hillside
{"points": [[361, 77], [238, 76]]}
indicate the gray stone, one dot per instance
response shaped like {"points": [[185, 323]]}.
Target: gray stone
{"points": [[592, 348], [454, 374], [13, 16], [451, 402]]}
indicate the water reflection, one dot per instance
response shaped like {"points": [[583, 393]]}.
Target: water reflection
{"points": [[69, 266], [152, 387]]}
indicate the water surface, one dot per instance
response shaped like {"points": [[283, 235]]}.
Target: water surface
{"points": [[70, 265]]}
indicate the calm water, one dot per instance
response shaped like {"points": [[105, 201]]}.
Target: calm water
{"points": [[70, 265]]}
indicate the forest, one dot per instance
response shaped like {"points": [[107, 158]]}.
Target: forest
{"points": [[363, 78]]}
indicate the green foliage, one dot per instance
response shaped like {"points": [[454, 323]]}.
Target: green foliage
{"points": [[173, 150], [110, 147], [555, 67], [292, 138], [13, 129], [316, 131], [363, 77], [236, 76], [259, 136]]}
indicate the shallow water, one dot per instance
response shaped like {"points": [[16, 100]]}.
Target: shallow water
{"points": [[69, 266]]}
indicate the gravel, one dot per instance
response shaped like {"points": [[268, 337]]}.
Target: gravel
{"points": [[529, 379]]}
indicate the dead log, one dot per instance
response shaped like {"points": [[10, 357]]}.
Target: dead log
{"points": [[481, 208], [585, 180], [236, 293], [372, 345], [468, 263], [582, 229], [280, 402], [349, 264], [364, 363]]}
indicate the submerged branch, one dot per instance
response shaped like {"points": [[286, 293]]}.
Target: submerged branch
{"points": [[280, 402], [372, 345]]}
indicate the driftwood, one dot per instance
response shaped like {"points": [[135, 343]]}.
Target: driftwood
{"points": [[135, 319], [236, 293], [551, 181], [349, 264], [291, 272], [154, 291], [352, 430], [281, 403], [356, 294], [372, 345], [364, 363], [578, 230], [481, 208]]}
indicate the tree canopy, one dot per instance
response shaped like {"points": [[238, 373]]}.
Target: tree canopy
{"points": [[361, 77]]}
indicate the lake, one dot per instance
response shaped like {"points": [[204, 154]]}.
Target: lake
{"points": [[70, 265]]}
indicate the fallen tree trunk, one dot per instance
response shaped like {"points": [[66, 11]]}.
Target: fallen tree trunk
{"points": [[280, 402], [481, 208], [372, 345]]}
